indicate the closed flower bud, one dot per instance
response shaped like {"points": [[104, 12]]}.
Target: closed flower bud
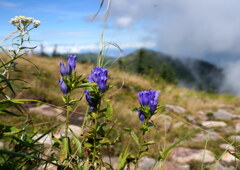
{"points": [[63, 87], [65, 70], [141, 115], [72, 61], [91, 100]]}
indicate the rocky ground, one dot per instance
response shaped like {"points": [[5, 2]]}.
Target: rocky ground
{"points": [[216, 125]]}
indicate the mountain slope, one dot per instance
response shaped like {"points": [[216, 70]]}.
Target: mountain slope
{"points": [[191, 73]]}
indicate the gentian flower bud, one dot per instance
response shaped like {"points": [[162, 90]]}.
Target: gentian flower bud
{"points": [[72, 62], [65, 71], [63, 87], [141, 115], [91, 101]]}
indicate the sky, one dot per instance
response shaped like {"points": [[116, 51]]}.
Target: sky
{"points": [[203, 29], [182, 28]]}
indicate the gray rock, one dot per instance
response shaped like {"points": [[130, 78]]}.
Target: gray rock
{"points": [[165, 122], [170, 165], [176, 109], [203, 136], [48, 111], [235, 138], [76, 130], [211, 124], [146, 163], [222, 114], [191, 119], [228, 158], [184, 155], [219, 166], [178, 124], [237, 127], [227, 147], [1, 144], [46, 140]]}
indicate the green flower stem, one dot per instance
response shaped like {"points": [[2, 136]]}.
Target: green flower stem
{"points": [[95, 133], [140, 145], [67, 123]]}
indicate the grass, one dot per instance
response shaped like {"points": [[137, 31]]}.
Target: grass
{"points": [[124, 97]]}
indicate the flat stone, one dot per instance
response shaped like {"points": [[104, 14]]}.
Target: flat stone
{"points": [[226, 146], [237, 127], [112, 160], [170, 165], [211, 124], [228, 158], [219, 166], [77, 130], [146, 163], [222, 114], [46, 140], [176, 109], [191, 119], [203, 136], [235, 138], [177, 125], [185, 155], [48, 111], [165, 122], [1, 144]]}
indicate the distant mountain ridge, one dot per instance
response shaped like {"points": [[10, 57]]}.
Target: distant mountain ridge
{"points": [[187, 72]]}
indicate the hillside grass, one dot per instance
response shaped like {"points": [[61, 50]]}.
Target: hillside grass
{"points": [[124, 97]]}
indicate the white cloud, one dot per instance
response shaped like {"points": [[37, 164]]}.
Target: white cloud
{"points": [[77, 48], [186, 27], [123, 22], [232, 74], [8, 4]]}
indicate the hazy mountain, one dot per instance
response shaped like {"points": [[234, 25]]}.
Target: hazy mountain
{"points": [[188, 72]]}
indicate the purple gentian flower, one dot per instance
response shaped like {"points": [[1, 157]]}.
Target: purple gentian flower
{"points": [[148, 98], [100, 76], [63, 87]]}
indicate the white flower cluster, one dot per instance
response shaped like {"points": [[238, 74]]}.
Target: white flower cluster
{"points": [[25, 21]]}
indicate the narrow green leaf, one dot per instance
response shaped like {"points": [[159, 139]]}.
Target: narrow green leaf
{"points": [[149, 143], [15, 154], [135, 138], [21, 48], [109, 112]]}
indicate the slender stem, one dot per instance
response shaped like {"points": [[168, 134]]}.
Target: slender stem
{"points": [[67, 123], [140, 147], [95, 133]]}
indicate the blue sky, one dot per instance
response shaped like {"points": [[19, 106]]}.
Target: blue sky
{"points": [[67, 23], [181, 28]]}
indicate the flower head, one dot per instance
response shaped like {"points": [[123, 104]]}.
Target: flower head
{"points": [[147, 98], [63, 87], [99, 76]]}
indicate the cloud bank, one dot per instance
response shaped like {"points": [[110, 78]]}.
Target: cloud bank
{"points": [[184, 27]]}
